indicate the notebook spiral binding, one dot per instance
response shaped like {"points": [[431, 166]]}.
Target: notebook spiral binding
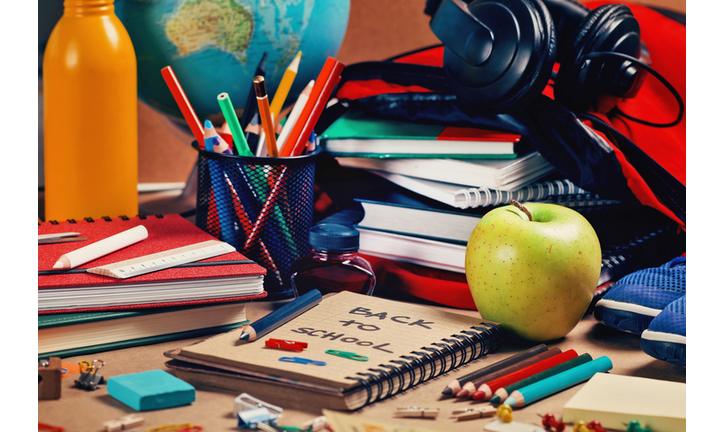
{"points": [[481, 340]]}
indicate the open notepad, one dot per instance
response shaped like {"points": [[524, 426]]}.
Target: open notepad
{"points": [[406, 344]]}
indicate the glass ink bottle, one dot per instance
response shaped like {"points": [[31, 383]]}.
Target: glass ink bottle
{"points": [[333, 264]]}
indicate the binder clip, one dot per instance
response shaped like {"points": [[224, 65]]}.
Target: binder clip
{"points": [[49, 376], [90, 380], [285, 344], [474, 413], [417, 412], [254, 413], [123, 423]]}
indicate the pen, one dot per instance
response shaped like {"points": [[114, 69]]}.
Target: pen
{"points": [[281, 316]]}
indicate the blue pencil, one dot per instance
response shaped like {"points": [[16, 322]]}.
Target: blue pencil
{"points": [[556, 383], [281, 316]]}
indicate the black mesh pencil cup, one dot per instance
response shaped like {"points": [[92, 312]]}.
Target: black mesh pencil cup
{"points": [[262, 206]]}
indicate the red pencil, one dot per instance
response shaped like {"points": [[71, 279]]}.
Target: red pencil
{"points": [[184, 105], [297, 139], [486, 390]]}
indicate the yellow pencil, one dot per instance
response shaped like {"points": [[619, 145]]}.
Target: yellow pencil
{"points": [[265, 115], [283, 90]]}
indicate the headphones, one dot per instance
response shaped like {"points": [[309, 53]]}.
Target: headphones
{"points": [[499, 54]]}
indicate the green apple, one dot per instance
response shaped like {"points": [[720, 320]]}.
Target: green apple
{"points": [[534, 273]]}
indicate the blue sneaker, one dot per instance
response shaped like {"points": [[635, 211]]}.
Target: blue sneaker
{"points": [[665, 339], [636, 299]]}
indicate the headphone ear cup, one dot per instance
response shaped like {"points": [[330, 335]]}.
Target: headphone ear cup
{"points": [[520, 63], [580, 83]]}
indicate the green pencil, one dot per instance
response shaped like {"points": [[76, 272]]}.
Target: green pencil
{"points": [[242, 147], [502, 393]]}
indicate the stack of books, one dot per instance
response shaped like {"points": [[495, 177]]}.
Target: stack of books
{"points": [[82, 311], [438, 182]]}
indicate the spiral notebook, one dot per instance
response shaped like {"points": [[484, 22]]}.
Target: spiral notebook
{"points": [[405, 345]]}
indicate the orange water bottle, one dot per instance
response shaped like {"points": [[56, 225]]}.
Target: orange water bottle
{"points": [[90, 115]]}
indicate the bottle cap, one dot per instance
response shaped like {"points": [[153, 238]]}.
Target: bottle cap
{"points": [[331, 237]]}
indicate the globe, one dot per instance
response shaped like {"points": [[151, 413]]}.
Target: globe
{"points": [[215, 46]]}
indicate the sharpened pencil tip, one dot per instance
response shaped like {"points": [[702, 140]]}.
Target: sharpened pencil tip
{"points": [[463, 393], [244, 336], [495, 399], [447, 391], [58, 265]]}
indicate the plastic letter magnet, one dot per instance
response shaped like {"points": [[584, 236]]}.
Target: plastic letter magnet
{"points": [[151, 390]]}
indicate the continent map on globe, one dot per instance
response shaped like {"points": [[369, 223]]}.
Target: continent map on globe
{"points": [[214, 46]]}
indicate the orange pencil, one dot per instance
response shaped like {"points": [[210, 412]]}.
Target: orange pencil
{"points": [[322, 90], [265, 115]]}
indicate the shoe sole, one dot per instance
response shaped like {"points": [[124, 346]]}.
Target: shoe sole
{"points": [[664, 346], [626, 317]]}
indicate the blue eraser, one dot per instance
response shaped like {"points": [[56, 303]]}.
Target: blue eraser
{"points": [[151, 390]]}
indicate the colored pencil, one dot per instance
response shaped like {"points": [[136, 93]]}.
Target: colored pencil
{"points": [[250, 107], [280, 316], [183, 103], [227, 109], [225, 134], [267, 123], [285, 85], [551, 385], [485, 391], [212, 140], [321, 91], [252, 132], [502, 393], [101, 248], [472, 386], [455, 385], [294, 115]]}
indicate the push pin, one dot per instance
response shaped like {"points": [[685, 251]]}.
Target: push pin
{"points": [[596, 426], [474, 413], [635, 426], [505, 413], [580, 426], [416, 412], [90, 380], [550, 423]]}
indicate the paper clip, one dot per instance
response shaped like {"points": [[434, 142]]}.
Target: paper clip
{"points": [[302, 361], [285, 344], [49, 428], [417, 412], [347, 355], [474, 413]]}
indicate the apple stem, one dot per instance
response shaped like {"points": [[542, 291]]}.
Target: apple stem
{"points": [[520, 207]]}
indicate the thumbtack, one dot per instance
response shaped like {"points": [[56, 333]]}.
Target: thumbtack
{"points": [[505, 413], [580, 426], [596, 426], [550, 423], [635, 426]]}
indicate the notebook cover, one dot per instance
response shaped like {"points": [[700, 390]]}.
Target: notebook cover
{"points": [[164, 232]]}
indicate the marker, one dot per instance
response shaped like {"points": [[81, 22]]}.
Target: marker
{"points": [[556, 383], [281, 316]]}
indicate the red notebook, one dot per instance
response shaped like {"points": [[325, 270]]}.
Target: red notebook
{"points": [[224, 278]]}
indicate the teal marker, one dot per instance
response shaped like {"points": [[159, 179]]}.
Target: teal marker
{"points": [[556, 383]]}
